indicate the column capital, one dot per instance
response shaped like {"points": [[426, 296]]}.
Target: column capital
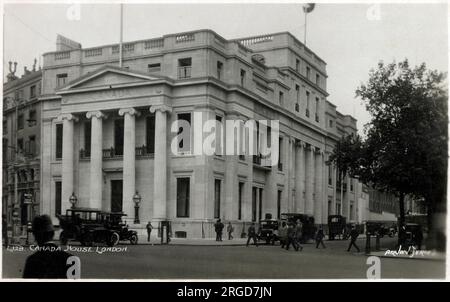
{"points": [[161, 107], [67, 116], [300, 144], [131, 111], [97, 114]]}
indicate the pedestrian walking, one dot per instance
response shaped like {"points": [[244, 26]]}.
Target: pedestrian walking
{"points": [[319, 238], [291, 237], [251, 234], [299, 234], [218, 226], [353, 236], [230, 230], [149, 230], [283, 234], [49, 261]]}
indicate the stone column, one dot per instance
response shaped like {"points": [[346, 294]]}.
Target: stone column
{"points": [[299, 187], [160, 162], [129, 159], [309, 206], [333, 178], [96, 158], [67, 171], [286, 161], [318, 202]]}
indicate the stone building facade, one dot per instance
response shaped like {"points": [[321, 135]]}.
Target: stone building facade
{"points": [[21, 148], [108, 131]]}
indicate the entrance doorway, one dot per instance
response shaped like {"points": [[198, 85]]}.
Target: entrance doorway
{"points": [[116, 195]]}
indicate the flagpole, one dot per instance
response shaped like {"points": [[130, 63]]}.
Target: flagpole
{"points": [[121, 35]]}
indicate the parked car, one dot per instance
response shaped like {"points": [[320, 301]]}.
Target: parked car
{"points": [[268, 231], [336, 226], [89, 226], [382, 228]]}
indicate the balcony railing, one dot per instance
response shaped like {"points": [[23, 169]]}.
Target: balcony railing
{"points": [[84, 154], [184, 72], [112, 153], [144, 151]]}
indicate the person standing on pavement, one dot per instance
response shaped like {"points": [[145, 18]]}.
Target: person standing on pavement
{"points": [[252, 234], [299, 234], [282, 233], [149, 230], [353, 236], [291, 237], [230, 230], [319, 238], [218, 226]]}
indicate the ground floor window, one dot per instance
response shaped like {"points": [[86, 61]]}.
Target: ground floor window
{"points": [[217, 185], [254, 195], [183, 188], [116, 195], [58, 190], [241, 191]]}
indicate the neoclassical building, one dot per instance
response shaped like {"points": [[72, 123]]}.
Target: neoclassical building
{"points": [[107, 130]]}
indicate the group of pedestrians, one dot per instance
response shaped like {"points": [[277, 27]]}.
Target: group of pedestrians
{"points": [[219, 226]]}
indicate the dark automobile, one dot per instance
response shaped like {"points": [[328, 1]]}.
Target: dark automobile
{"points": [[268, 231], [309, 229], [336, 226], [382, 228], [89, 226]]}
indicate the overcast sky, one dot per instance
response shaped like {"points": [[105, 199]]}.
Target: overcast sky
{"points": [[350, 38]]}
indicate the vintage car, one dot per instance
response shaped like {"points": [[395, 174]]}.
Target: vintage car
{"points": [[309, 229], [336, 226], [381, 228], [268, 231], [89, 226]]}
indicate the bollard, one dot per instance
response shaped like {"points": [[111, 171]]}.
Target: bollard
{"points": [[377, 243], [367, 243]]}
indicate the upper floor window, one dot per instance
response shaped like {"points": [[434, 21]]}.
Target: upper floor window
{"points": [[330, 123], [219, 69], [61, 79], [281, 98], [317, 109], [5, 126], [156, 67], [150, 134], [317, 79], [32, 145], [33, 91], [297, 65], [307, 103], [242, 77], [20, 121], [59, 141], [184, 132], [184, 68], [20, 145], [32, 120], [297, 98], [308, 72]]}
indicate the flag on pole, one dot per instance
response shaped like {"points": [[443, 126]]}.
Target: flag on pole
{"points": [[308, 7]]}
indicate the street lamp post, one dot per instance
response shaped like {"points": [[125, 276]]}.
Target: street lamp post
{"points": [[73, 200], [137, 200]]}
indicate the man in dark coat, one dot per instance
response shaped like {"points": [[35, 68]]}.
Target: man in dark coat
{"points": [[218, 226], [251, 234], [291, 237], [49, 261], [319, 238], [149, 230], [353, 236]]}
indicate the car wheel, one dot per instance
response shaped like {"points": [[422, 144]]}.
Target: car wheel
{"points": [[113, 239], [63, 238], [134, 239]]}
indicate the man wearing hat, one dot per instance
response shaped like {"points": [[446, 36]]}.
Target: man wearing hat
{"points": [[49, 261]]}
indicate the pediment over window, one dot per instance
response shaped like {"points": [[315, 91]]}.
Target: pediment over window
{"points": [[106, 77]]}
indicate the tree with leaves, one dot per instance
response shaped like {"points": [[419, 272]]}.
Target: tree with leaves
{"points": [[404, 150]]}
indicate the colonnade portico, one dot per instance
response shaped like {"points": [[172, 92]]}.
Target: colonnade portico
{"points": [[129, 160]]}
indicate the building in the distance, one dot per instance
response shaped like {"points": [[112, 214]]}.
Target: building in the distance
{"points": [[108, 130], [21, 145], [383, 206]]}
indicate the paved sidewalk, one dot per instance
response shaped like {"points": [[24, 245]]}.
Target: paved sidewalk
{"points": [[192, 241]]}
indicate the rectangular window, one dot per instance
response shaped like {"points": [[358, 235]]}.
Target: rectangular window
{"points": [[118, 136], [330, 123], [219, 70], [307, 103], [217, 185], [31, 145], [308, 72], [242, 77], [5, 151], [184, 68], [20, 145], [87, 138], [317, 79], [33, 91], [351, 185], [280, 154], [184, 142], [20, 121], [279, 204], [240, 196], [5, 126], [260, 204], [219, 138], [150, 134], [317, 109], [254, 196], [297, 65], [183, 189], [155, 67], [61, 79], [58, 197], [32, 120], [281, 98], [297, 94], [59, 141], [330, 175]]}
